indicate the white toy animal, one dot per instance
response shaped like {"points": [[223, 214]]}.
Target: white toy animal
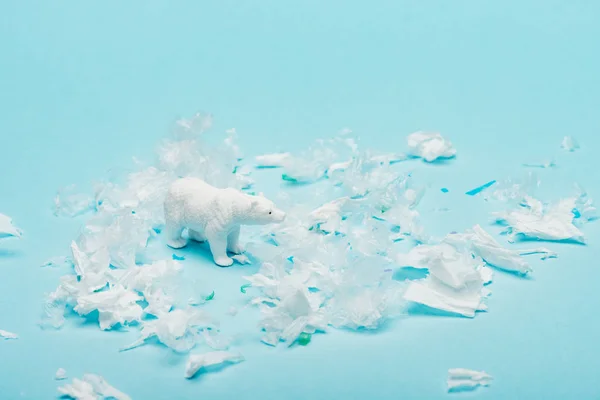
{"points": [[214, 215]]}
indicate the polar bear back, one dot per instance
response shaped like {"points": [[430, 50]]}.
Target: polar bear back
{"points": [[191, 201]]}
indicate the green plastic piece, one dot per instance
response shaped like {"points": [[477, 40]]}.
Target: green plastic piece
{"points": [[210, 296], [244, 287], [304, 339]]}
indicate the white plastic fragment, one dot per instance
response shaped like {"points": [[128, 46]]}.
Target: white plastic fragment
{"points": [[57, 262], [467, 379], [485, 246], [569, 144], [91, 387], [430, 146], [546, 253], [534, 220], [455, 283], [199, 361], [274, 160], [69, 203], [116, 305], [177, 329], [60, 374], [8, 335], [7, 228]]}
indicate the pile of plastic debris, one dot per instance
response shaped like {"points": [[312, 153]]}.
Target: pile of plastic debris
{"points": [[329, 264]]}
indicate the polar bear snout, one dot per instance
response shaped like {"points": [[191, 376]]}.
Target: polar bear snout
{"points": [[278, 216]]}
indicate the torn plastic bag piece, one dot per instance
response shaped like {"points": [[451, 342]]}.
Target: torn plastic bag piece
{"points": [[115, 305], [92, 387], [177, 329], [430, 146], [461, 379], [569, 144], [200, 361], [534, 220], [7, 228], [69, 202], [455, 283], [8, 335], [485, 246], [274, 160]]}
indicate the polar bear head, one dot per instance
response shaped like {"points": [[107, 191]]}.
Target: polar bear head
{"points": [[263, 211]]}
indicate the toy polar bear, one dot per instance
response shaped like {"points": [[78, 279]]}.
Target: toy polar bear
{"points": [[214, 215]]}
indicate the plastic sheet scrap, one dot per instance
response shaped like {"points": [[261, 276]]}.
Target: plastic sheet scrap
{"points": [[196, 362], [274, 160], [569, 144], [430, 146], [69, 202], [91, 387], [116, 305], [483, 245], [8, 335], [178, 329], [462, 379], [535, 220], [7, 228], [60, 374], [455, 283]]}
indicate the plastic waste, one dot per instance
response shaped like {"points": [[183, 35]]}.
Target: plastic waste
{"points": [[7, 228], [569, 144], [534, 220], [69, 202], [430, 146], [178, 329], [455, 283], [483, 245], [196, 362], [467, 379], [60, 374], [91, 387], [275, 160], [116, 305], [8, 335]]}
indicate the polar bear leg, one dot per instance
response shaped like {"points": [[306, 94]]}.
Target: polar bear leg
{"points": [[233, 242], [197, 235], [173, 234], [218, 248]]}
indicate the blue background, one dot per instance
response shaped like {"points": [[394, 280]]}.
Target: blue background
{"points": [[84, 86]]}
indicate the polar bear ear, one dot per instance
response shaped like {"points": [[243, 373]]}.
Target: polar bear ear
{"points": [[261, 194]]}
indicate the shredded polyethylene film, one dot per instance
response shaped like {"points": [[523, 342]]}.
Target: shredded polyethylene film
{"points": [[569, 144], [7, 228], [329, 265], [533, 219], [91, 387], [461, 379], [430, 146], [60, 374], [196, 362], [8, 335]]}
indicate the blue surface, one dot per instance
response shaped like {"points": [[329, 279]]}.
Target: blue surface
{"points": [[84, 86]]}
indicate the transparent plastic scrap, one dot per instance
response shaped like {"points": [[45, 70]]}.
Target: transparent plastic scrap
{"points": [[178, 329], [92, 387], [196, 362], [460, 379], [534, 220], [456, 281], [7, 227], [430, 146]]}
